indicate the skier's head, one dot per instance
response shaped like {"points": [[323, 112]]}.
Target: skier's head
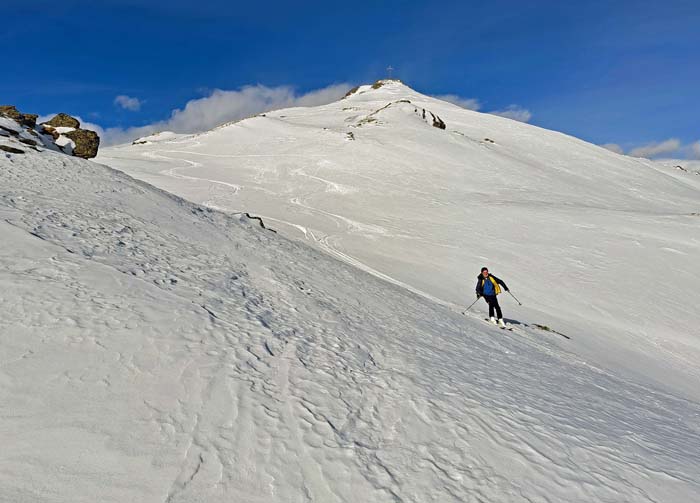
{"points": [[484, 271]]}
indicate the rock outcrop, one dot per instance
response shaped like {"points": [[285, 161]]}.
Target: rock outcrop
{"points": [[51, 131], [351, 91], [63, 120], [28, 120], [372, 118], [11, 150], [86, 143], [62, 133]]}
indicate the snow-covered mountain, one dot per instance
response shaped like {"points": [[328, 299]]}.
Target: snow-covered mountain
{"points": [[153, 349], [423, 193]]}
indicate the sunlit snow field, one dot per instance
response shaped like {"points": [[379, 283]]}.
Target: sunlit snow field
{"points": [[597, 245], [156, 349]]}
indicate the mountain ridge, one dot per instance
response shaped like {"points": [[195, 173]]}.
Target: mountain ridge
{"points": [[582, 233]]}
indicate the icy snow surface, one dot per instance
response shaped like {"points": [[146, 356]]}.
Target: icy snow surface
{"points": [[153, 350], [599, 246]]}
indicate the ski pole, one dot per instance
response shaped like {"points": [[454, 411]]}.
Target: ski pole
{"points": [[516, 299], [470, 306]]}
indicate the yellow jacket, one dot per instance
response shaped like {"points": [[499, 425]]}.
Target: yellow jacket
{"points": [[497, 283]]}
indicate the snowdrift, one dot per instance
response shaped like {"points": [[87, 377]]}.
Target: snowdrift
{"points": [[423, 193], [153, 349]]}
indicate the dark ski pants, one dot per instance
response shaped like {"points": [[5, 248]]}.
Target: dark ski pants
{"points": [[493, 305]]}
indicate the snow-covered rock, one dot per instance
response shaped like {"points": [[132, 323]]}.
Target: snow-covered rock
{"points": [[27, 120], [62, 133]]}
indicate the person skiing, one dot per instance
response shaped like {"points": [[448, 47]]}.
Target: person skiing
{"points": [[489, 286]]}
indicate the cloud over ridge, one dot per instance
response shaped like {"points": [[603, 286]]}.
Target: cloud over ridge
{"points": [[221, 106], [671, 148], [468, 103], [515, 112], [655, 149]]}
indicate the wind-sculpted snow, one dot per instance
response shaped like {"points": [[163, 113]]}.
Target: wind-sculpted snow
{"points": [[153, 350], [595, 244]]}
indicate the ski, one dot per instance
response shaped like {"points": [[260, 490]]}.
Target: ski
{"points": [[508, 326]]}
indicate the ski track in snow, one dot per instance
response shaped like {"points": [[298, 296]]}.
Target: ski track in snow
{"points": [[190, 164], [324, 242]]}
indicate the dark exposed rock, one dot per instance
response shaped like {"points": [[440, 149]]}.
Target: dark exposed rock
{"points": [[351, 91], [51, 132], [9, 131], [28, 141], [29, 120], [437, 121], [63, 120], [376, 85], [10, 111], [260, 220], [11, 150], [383, 82], [86, 143]]}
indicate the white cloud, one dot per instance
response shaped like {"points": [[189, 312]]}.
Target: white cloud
{"points": [[671, 148], [128, 103], [613, 147], [695, 149], [468, 103], [222, 106], [515, 112], [655, 149]]}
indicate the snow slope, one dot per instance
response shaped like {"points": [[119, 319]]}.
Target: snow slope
{"points": [[597, 245], [154, 350]]}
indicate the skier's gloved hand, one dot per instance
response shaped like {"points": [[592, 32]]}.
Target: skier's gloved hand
{"points": [[507, 289], [478, 296]]}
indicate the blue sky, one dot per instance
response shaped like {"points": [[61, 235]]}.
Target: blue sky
{"points": [[623, 72]]}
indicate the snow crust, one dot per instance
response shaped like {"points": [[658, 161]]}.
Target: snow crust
{"points": [[153, 350], [8, 123], [65, 143], [64, 129], [597, 245]]}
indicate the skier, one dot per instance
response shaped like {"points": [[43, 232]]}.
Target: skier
{"points": [[488, 286]]}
